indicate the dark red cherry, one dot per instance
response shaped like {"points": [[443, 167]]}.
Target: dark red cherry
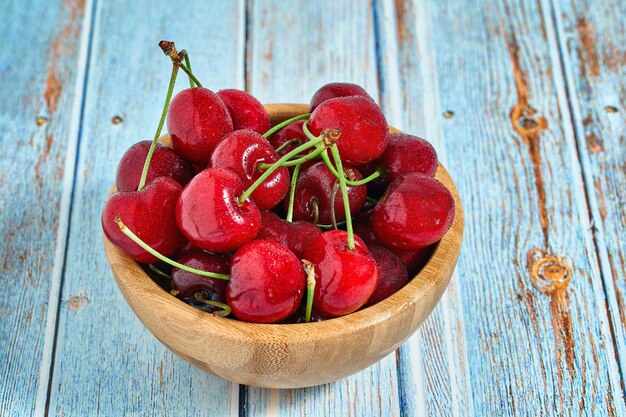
{"points": [[150, 214], [165, 162], [378, 186], [291, 131], [406, 154], [362, 226], [361, 122], [241, 152], [315, 186], [246, 111], [188, 283], [414, 259], [297, 236], [209, 213], [197, 121], [392, 274], [345, 279], [415, 212], [266, 282], [333, 90]]}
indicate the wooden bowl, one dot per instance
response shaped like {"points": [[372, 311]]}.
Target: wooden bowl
{"points": [[290, 355]]}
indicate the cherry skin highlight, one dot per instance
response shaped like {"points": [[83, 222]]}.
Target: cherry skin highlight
{"points": [[415, 212], [266, 282], [297, 236], [165, 162], [197, 121], [291, 131], [188, 283], [406, 154], [241, 152], [361, 122], [316, 183], [392, 274], [345, 279], [245, 110], [150, 214], [333, 90], [210, 216]]}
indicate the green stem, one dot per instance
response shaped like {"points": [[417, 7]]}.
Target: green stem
{"points": [[333, 197], [166, 105], [379, 171], [164, 258], [294, 142], [292, 192], [295, 162], [190, 74], [344, 193], [285, 123], [310, 288], [226, 310], [158, 271], [246, 194], [371, 199], [188, 63]]}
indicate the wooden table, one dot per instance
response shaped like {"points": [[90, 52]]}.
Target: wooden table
{"points": [[523, 100]]}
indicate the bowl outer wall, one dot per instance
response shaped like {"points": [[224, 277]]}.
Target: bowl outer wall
{"points": [[290, 355]]}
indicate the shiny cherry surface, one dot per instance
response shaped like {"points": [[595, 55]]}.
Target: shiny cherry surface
{"points": [[245, 110], [266, 282], [291, 131], [392, 274], [210, 216], [406, 154], [297, 236], [188, 283], [333, 90]]}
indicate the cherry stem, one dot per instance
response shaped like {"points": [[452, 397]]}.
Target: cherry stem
{"points": [[316, 210], [327, 140], [295, 162], [164, 258], [309, 268], [285, 123], [371, 199], [379, 171], [292, 192], [157, 271], [344, 193], [226, 310], [190, 74], [166, 105], [333, 217], [330, 226], [294, 142], [188, 64]]}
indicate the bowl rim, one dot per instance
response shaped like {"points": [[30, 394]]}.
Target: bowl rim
{"points": [[431, 277]]}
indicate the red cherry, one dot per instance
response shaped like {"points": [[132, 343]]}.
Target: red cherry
{"points": [[316, 183], [197, 121], [345, 279], [416, 212], [291, 131], [333, 90], [392, 274], [241, 152], [361, 122], [188, 283], [210, 216], [297, 236], [165, 162], [414, 259], [246, 111], [362, 226], [149, 213], [266, 282]]}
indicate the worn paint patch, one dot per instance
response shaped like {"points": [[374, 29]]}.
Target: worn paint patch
{"points": [[587, 51], [74, 302]]}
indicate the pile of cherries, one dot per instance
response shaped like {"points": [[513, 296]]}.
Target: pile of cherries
{"points": [[243, 218]]}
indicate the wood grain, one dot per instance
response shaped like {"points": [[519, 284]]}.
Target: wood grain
{"points": [[41, 74], [294, 48], [106, 363], [593, 45], [536, 326]]}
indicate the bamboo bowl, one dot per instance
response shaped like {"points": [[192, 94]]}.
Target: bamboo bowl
{"points": [[290, 355]]}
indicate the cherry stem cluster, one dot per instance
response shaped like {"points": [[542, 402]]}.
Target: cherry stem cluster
{"points": [[132, 236], [285, 123], [292, 192], [344, 194]]}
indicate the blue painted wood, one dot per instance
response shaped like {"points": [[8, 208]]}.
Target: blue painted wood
{"points": [[593, 44], [41, 73], [536, 326], [294, 48], [106, 362]]}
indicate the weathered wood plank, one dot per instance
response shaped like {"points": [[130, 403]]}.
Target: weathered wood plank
{"points": [[294, 48], [593, 45], [106, 362], [42, 70], [537, 334]]}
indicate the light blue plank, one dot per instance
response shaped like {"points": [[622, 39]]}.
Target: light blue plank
{"points": [[296, 47], [593, 42], [41, 72], [533, 348], [106, 362]]}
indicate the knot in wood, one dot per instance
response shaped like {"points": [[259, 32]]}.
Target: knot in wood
{"points": [[526, 120], [116, 120], [41, 120], [548, 273]]}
